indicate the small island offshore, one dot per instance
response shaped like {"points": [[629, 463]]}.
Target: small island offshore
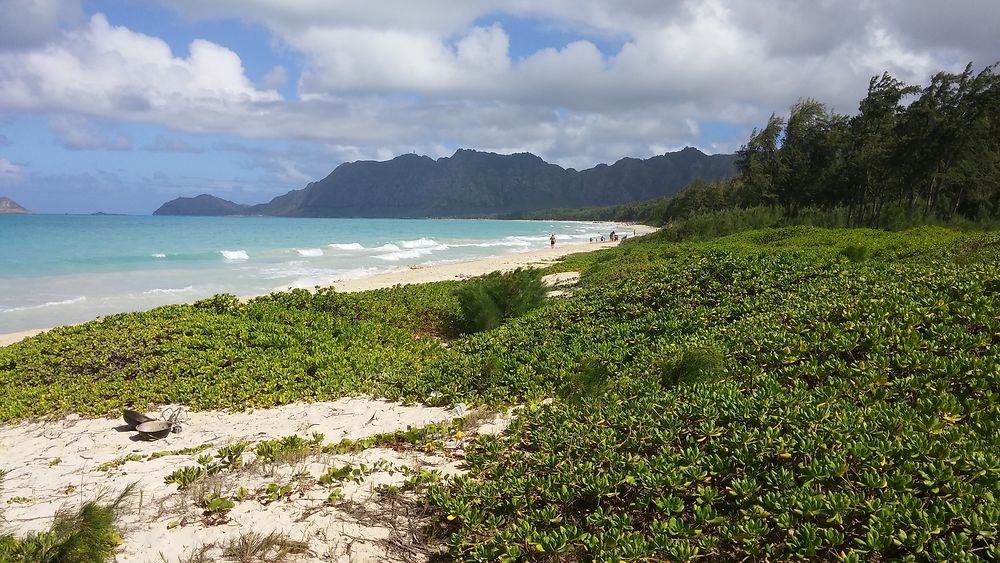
{"points": [[11, 207]]}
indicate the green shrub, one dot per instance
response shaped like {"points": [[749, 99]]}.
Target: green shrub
{"points": [[703, 363], [220, 303], [588, 381], [489, 300], [84, 536], [854, 253]]}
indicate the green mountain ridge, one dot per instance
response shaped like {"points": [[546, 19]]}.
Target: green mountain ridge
{"points": [[472, 183]]}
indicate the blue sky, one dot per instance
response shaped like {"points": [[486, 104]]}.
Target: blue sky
{"points": [[119, 106]]}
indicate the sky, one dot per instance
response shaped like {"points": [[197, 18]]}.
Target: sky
{"points": [[120, 105]]}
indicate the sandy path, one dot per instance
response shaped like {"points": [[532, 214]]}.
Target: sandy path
{"points": [[55, 465]]}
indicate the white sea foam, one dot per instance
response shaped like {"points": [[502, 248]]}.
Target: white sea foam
{"points": [[419, 243], [493, 243], [310, 252], [387, 248], [310, 279], [178, 290], [47, 304], [159, 255], [357, 273], [234, 254], [406, 254], [346, 246]]}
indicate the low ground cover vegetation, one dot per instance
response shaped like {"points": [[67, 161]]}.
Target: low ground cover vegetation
{"points": [[774, 394]]}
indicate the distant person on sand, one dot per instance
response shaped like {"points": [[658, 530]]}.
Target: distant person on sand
{"points": [[552, 240]]}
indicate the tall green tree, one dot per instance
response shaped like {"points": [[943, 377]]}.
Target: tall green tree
{"points": [[948, 143], [758, 164], [873, 142]]}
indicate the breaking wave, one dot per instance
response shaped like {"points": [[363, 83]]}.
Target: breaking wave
{"points": [[411, 253], [419, 243], [346, 246], [234, 254], [47, 304], [158, 290]]}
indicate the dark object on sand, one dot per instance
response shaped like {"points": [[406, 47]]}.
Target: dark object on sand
{"points": [[155, 429], [135, 418]]}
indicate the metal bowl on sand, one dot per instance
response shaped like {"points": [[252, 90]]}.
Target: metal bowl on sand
{"points": [[135, 418], [155, 429]]}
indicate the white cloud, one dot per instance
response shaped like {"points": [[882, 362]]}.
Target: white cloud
{"points": [[393, 60], [77, 133], [436, 16], [398, 76], [8, 169], [276, 77], [28, 23], [115, 72]]}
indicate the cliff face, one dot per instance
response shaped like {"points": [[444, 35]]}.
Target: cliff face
{"points": [[471, 183], [207, 205], [9, 206]]}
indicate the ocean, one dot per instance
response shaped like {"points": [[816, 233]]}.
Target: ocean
{"points": [[64, 269]]}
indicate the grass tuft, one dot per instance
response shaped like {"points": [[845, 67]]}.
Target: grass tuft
{"points": [[255, 546], [87, 535]]}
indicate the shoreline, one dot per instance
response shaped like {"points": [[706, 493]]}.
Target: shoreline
{"points": [[418, 273]]}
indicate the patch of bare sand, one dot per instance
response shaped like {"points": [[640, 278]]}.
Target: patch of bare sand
{"points": [[56, 465]]}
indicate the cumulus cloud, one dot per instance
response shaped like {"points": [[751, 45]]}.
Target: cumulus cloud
{"points": [[392, 60], [276, 77], [28, 23], [717, 56], [399, 76], [77, 133], [112, 71], [964, 29]]}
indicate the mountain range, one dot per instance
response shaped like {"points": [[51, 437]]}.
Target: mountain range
{"points": [[472, 184]]}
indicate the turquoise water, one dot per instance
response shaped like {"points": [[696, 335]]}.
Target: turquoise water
{"points": [[61, 269]]}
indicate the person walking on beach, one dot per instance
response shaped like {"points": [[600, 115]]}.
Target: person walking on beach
{"points": [[552, 240]]}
